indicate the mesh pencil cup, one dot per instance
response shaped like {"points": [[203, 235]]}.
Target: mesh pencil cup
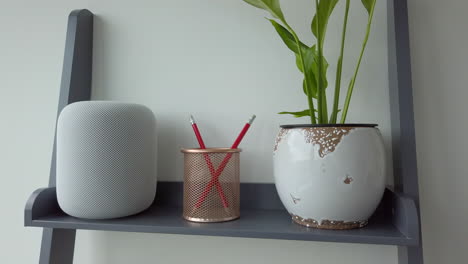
{"points": [[211, 184]]}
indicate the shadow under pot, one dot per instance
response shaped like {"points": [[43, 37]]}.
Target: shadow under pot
{"points": [[330, 176]]}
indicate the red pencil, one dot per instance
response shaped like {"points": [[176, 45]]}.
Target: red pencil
{"points": [[224, 162], [208, 162]]}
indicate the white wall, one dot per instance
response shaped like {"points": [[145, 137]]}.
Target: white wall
{"points": [[221, 61], [440, 62]]}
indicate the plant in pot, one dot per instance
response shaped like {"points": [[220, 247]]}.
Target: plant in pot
{"points": [[329, 174]]}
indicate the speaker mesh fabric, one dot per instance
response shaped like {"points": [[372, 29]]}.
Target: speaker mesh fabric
{"points": [[106, 159]]}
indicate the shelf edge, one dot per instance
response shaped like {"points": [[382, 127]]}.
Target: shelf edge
{"points": [[36, 207], [401, 210], [405, 216]]}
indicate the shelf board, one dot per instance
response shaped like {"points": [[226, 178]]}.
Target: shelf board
{"points": [[270, 221]]}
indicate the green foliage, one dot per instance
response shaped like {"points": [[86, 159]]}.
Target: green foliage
{"points": [[339, 68], [319, 25], [370, 6], [325, 10], [272, 6], [310, 60], [297, 114], [287, 37]]}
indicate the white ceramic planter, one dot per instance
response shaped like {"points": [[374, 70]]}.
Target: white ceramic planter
{"points": [[330, 177]]}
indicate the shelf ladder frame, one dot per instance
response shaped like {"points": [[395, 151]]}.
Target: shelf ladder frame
{"points": [[57, 245], [402, 115]]}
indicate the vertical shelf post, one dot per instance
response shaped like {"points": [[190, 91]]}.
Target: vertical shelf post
{"points": [[402, 115], [57, 245]]}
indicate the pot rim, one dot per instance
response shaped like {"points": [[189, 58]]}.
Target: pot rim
{"points": [[210, 150], [329, 125]]}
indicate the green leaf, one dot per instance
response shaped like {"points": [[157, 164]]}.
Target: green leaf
{"points": [[272, 6], [368, 4], [314, 65], [339, 68], [309, 54], [334, 113], [370, 7], [311, 70], [299, 63], [325, 9], [310, 58], [287, 37], [311, 62], [297, 114], [304, 87], [313, 87]]}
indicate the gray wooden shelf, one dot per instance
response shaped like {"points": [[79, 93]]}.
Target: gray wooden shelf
{"points": [[396, 221], [262, 216]]}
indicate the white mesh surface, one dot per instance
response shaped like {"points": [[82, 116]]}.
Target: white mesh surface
{"points": [[106, 159]]}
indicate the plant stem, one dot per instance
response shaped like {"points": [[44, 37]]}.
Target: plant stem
{"points": [[322, 97], [306, 77], [353, 80], [336, 99]]}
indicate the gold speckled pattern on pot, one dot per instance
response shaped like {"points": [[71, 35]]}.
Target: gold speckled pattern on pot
{"points": [[327, 138], [282, 134]]}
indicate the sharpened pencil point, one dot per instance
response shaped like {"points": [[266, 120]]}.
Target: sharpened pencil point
{"points": [[251, 119], [192, 120]]}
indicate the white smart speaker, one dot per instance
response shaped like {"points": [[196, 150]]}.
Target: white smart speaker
{"points": [[106, 159]]}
